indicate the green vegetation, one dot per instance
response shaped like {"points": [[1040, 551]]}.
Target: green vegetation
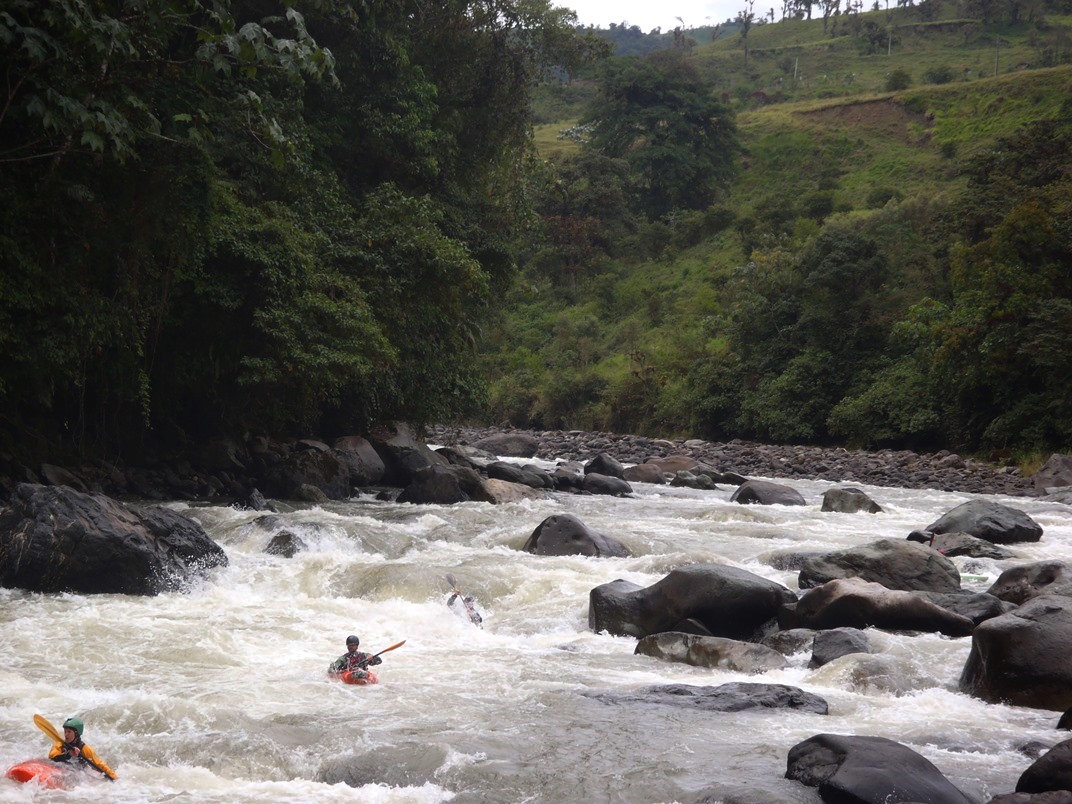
{"points": [[283, 217], [889, 265], [302, 217]]}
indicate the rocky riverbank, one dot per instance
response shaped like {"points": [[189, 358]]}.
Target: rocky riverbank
{"points": [[944, 470]]}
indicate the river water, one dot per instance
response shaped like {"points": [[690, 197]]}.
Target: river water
{"points": [[219, 694]]}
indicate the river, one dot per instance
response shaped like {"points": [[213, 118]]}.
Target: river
{"points": [[219, 694]]}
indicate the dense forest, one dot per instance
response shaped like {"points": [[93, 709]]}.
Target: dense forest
{"points": [[220, 216], [304, 217]]}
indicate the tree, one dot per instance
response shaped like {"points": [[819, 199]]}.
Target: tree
{"points": [[679, 141]]}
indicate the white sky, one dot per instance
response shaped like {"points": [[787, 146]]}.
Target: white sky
{"points": [[649, 14]]}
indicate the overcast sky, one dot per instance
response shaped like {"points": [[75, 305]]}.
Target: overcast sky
{"points": [[649, 14]]}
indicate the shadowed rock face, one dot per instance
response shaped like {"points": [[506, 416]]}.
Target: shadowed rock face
{"points": [[853, 769], [55, 539], [1051, 772], [1020, 584], [708, 651], [1022, 657], [763, 492]]}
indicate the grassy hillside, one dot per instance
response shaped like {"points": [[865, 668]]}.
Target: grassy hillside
{"points": [[827, 148]]}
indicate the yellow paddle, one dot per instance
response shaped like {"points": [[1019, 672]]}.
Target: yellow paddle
{"points": [[48, 729]]}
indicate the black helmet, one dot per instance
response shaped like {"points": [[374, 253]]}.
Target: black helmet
{"points": [[352, 640]]}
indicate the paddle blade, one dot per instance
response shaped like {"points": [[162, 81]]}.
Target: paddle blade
{"points": [[452, 581], [398, 645], [48, 728]]}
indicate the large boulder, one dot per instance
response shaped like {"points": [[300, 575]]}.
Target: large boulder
{"points": [[726, 601], [321, 469], [604, 464], [363, 462], [566, 535], [976, 606], [763, 492], [595, 483], [856, 603], [960, 544], [1022, 583], [868, 770], [55, 539], [849, 500], [402, 453], [837, 642], [707, 651], [509, 445], [988, 520], [1050, 773], [644, 473], [1056, 473], [435, 485], [1022, 658], [894, 563]]}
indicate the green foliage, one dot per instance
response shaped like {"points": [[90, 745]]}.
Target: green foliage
{"points": [[898, 79], [258, 215], [679, 141]]}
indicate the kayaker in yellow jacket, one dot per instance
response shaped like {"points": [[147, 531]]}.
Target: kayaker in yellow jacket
{"points": [[74, 749]]}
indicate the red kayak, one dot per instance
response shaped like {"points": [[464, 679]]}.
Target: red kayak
{"points": [[45, 773], [348, 677]]}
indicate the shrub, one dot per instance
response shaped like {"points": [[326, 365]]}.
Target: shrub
{"points": [[897, 80]]}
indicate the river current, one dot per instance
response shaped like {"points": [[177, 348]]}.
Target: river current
{"points": [[219, 694]]}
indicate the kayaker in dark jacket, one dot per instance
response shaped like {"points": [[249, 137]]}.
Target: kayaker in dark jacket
{"points": [[72, 748], [353, 660], [469, 602]]}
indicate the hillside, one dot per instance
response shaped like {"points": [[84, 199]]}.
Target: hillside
{"points": [[646, 337]]}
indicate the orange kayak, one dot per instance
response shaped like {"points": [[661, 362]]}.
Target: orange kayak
{"points": [[45, 773], [347, 677]]}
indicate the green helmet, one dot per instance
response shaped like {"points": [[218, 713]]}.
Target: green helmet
{"points": [[75, 725]]}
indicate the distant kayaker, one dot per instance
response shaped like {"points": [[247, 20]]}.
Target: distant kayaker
{"points": [[353, 660], [469, 602], [72, 748]]}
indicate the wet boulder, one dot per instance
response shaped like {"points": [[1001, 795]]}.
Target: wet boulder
{"points": [[285, 544], [1056, 473], [849, 500], [604, 464], [644, 473], [566, 535], [1022, 658], [595, 483], [976, 606], [509, 445], [512, 473], [894, 563], [988, 520], [960, 544], [363, 462], [1026, 581], [55, 539], [402, 453], [864, 770], [837, 642], [733, 697], [726, 601], [437, 485], [856, 603], [1050, 773], [320, 469], [708, 651], [500, 492], [688, 480], [793, 640], [763, 492]]}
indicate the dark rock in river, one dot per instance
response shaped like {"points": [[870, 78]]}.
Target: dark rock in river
{"points": [[866, 770], [894, 563], [988, 520], [55, 539], [566, 535], [1026, 581], [733, 697], [709, 651], [1052, 772]]}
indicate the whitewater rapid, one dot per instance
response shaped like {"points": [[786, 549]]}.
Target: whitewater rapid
{"points": [[220, 694]]}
